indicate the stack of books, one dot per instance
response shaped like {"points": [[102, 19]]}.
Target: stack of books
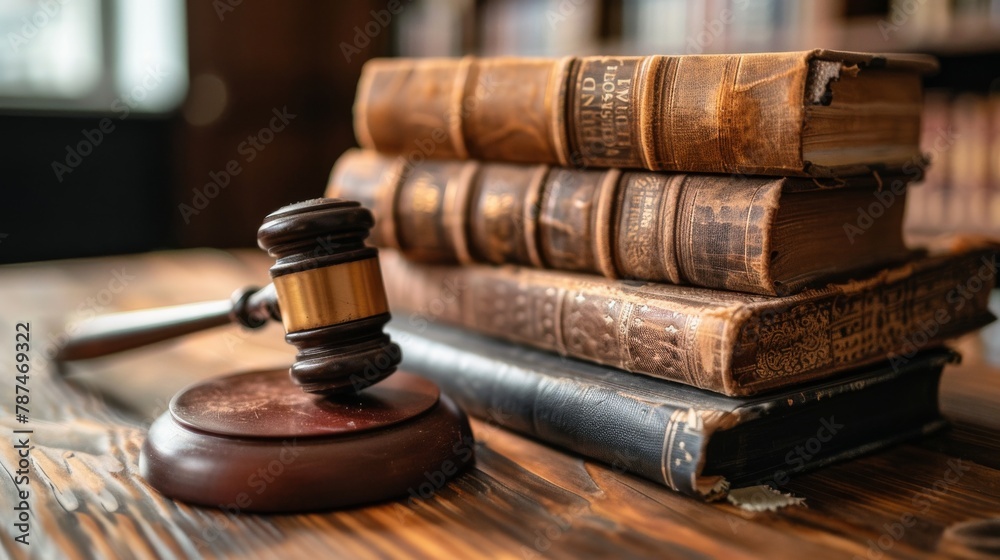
{"points": [[689, 267]]}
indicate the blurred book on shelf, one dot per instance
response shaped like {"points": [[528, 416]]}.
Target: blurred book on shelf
{"points": [[561, 27], [961, 190], [436, 28]]}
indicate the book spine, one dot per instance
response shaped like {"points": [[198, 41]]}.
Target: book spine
{"points": [[735, 344], [703, 230], [722, 114], [738, 113]]}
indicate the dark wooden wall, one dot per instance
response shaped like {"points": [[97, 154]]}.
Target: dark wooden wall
{"points": [[125, 197], [270, 56]]}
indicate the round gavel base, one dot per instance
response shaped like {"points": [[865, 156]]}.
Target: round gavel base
{"points": [[255, 442]]}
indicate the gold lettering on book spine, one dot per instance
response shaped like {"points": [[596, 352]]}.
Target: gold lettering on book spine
{"points": [[602, 128]]}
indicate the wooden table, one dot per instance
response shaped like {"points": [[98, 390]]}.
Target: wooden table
{"points": [[522, 500]]}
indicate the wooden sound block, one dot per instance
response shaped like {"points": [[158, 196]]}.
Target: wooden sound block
{"points": [[256, 442]]}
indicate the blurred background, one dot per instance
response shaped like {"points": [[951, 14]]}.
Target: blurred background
{"points": [[140, 125]]}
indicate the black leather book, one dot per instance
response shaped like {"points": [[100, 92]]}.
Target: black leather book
{"points": [[693, 441]]}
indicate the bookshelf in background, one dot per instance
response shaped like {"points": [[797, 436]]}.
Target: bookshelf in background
{"points": [[558, 27], [961, 192]]}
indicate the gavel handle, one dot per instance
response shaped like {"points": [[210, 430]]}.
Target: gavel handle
{"points": [[106, 334]]}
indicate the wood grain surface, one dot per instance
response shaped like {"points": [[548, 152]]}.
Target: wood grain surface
{"points": [[522, 500]]}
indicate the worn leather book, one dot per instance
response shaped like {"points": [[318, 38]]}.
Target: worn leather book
{"points": [[692, 441], [818, 112], [771, 236], [728, 342]]}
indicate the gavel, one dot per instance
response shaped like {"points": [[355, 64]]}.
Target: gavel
{"points": [[326, 290], [339, 441]]}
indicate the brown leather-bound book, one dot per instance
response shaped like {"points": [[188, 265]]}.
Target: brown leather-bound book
{"points": [[818, 113], [728, 342], [771, 236]]}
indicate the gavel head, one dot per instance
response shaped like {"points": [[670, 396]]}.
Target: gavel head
{"points": [[330, 294]]}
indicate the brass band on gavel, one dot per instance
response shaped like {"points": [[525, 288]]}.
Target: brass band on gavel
{"points": [[332, 295]]}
